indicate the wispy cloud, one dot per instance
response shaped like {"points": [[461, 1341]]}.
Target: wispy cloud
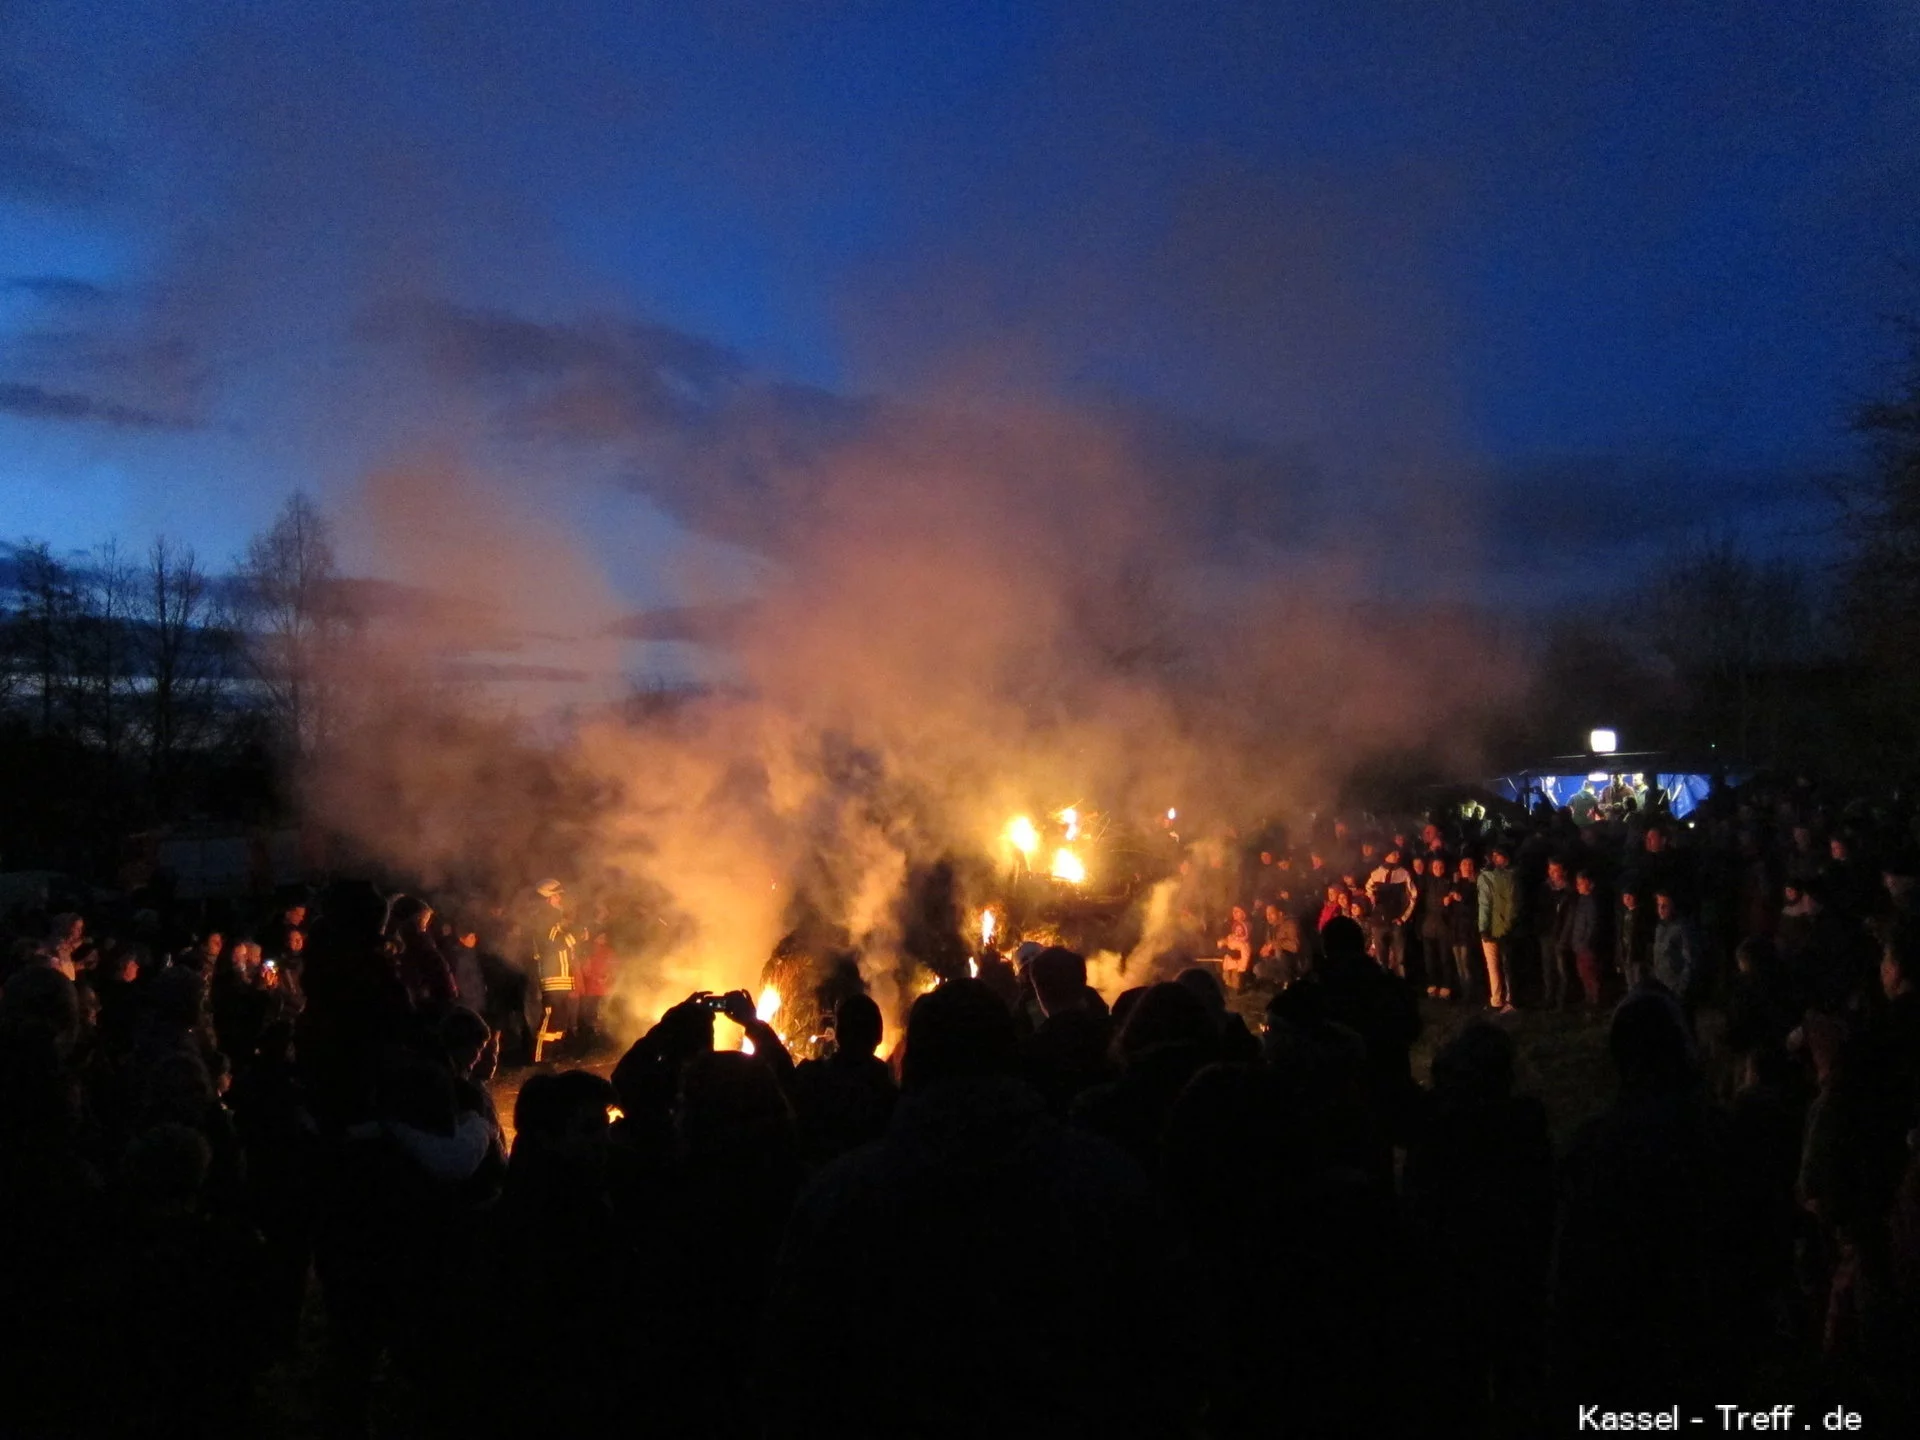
{"points": [[36, 402], [60, 289]]}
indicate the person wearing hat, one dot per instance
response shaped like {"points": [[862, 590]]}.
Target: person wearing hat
{"points": [[557, 941]]}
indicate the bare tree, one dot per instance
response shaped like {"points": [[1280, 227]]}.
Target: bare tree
{"points": [[1879, 517], [1733, 628], [48, 603], [104, 649], [181, 659], [293, 621]]}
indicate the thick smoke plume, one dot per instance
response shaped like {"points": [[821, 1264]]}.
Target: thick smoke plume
{"points": [[976, 613], [942, 607]]}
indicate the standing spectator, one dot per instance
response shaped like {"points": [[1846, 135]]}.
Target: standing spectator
{"points": [[1068, 1053], [1436, 957], [1479, 1197], [1761, 1007], [1757, 886], [1586, 935], [1676, 952], [1391, 893], [1018, 1203], [1643, 1262], [1659, 867], [554, 948], [1803, 861], [1850, 889], [596, 984], [1553, 934], [1462, 902], [1633, 939], [845, 1100], [469, 975], [1794, 926], [1236, 948], [1496, 905]]}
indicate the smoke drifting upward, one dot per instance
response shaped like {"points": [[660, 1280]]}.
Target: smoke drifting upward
{"points": [[941, 607], [969, 613]]}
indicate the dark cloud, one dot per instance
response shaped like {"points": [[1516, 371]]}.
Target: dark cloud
{"points": [[713, 624], [503, 672], [60, 289], [36, 402], [369, 599], [103, 347], [591, 379]]}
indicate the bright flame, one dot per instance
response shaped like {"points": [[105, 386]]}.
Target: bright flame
{"points": [[973, 969], [1022, 836], [1070, 818], [989, 922], [1067, 866], [769, 1004]]}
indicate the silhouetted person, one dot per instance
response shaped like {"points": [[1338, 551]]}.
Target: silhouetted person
{"points": [[1236, 1041], [1068, 1053], [845, 1100], [1316, 1344], [1479, 1194], [708, 1260], [1024, 1262], [1642, 1270], [1380, 1010], [1167, 1037]]}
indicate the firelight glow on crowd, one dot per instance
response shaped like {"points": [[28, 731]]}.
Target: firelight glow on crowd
{"points": [[748, 720], [1213, 1208]]}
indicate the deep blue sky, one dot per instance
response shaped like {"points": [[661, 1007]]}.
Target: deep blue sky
{"points": [[1611, 269]]}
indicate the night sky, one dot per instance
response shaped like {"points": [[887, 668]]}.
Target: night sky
{"points": [[1604, 272]]}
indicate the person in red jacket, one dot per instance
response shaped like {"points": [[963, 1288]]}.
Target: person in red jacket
{"points": [[596, 983]]}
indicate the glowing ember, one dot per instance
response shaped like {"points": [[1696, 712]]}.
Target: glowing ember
{"points": [[1022, 836], [1068, 866], [989, 922], [1070, 818], [769, 1004]]}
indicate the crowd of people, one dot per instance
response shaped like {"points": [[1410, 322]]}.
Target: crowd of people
{"points": [[1180, 1211]]}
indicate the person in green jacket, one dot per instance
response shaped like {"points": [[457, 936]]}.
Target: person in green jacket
{"points": [[1498, 904]]}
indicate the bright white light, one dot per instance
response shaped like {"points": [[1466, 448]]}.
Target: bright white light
{"points": [[1603, 742], [1599, 775], [1069, 867], [1173, 815]]}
